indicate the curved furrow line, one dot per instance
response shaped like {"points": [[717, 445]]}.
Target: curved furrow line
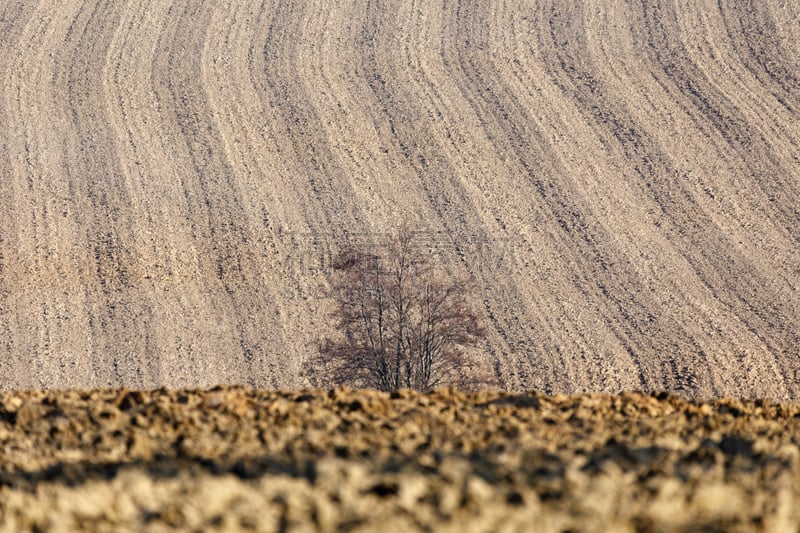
{"points": [[744, 289], [292, 70], [765, 241], [509, 105], [617, 218], [773, 134], [14, 18], [588, 207], [349, 119], [774, 148], [354, 146], [747, 265], [137, 256], [379, 100], [476, 237], [290, 93], [773, 64], [720, 193], [464, 46], [334, 65], [462, 156], [413, 111], [404, 110], [104, 199], [575, 225], [651, 110], [181, 333], [765, 47], [19, 313], [50, 326], [234, 39], [362, 134], [713, 107], [220, 230], [300, 48], [556, 209], [250, 297], [767, 73], [308, 73], [462, 161], [704, 162], [485, 168], [652, 165]]}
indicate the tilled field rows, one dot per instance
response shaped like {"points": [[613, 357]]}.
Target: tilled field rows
{"points": [[623, 177]]}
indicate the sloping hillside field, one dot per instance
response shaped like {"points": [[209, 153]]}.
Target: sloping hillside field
{"points": [[622, 177], [237, 459]]}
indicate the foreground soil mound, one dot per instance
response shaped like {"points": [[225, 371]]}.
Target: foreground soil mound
{"points": [[237, 458]]}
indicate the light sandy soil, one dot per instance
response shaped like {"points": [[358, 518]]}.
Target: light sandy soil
{"points": [[622, 177], [236, 459]]}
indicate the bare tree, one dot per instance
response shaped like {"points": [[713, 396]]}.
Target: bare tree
{"points": [[402, 323]]}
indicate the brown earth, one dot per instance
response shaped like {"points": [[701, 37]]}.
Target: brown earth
{"points": [[622, 177], [243, 459]]}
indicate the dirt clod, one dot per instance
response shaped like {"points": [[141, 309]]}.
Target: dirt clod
{"points": [[236, 458]]}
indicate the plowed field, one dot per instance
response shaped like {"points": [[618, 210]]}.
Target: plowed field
{"points": [[621, 176]]}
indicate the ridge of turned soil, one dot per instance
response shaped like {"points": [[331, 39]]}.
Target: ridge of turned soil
{"points": [[239, 458], [622, 180]]}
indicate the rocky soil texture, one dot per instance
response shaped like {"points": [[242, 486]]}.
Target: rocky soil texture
{"points": [[243, 459]]}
